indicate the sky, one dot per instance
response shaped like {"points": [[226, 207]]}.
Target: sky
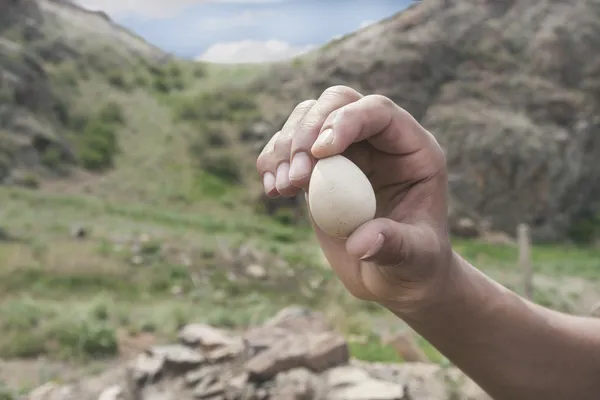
{"points": [[233, 31]]}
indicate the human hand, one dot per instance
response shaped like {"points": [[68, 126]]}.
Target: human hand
{"points": [[402, 257]]}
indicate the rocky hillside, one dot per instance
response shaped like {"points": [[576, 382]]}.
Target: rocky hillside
{"points": [[510, 88], [45, 47]]}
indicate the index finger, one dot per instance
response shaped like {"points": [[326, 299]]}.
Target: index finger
{"points": [[388, 127], [309, 127]]}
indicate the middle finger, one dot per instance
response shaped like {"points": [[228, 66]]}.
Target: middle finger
{"points": [[307, 131]]}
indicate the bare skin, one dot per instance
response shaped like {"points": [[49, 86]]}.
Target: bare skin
{"points": [[404, 261]]}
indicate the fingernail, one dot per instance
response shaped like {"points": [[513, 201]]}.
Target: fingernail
{"points": [[300, 167], [337, 116], [325, 138], [268, 182], [283, 176], [375, 248]]}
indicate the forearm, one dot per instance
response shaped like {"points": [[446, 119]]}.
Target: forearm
{"points": [[511, 347]]}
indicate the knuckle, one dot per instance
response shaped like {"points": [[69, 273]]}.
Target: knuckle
{"points": [[382, 101], [309, 124], [306, 104], [341, 91], [281, 147]]}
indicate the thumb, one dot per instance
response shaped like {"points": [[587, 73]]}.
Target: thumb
{"points": [[389, 243]]}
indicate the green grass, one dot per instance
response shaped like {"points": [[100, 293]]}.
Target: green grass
{"points": [[166, 141], [553, 260], [110, 285]]}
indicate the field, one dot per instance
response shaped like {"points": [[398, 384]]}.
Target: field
{"points": [[159, 226], [84, 279]]}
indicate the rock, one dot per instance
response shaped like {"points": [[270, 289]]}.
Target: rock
{"points": [[282, 356], [299, 319], [256, 271], [465, 228], [317, 352], [192, 378], [294, 365], [326, 350], [43, 392], [79, 232], [297, 384], [204, 336], [209, 388], [147, 367], [353, 383], [370, 389], [235, 349], [112, 393], [178, 357]]}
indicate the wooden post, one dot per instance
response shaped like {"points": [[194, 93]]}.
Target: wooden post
{"points": [[524, 241]]}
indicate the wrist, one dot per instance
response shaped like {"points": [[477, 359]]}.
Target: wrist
{"points": [[458, 293]]}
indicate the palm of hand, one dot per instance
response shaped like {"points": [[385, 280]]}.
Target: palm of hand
{"points": [[404, 196]]}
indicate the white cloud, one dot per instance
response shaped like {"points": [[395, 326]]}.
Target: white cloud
{"points": [[154, 8], [364, 24], [251, 51], [243, 19]]}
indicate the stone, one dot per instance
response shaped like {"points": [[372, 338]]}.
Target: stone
{"points": [[345, 375], [296, 384], [316, 351], [209, 388], [204, 336], [208, 371], [178, 357], [79, 232], [465, 228], [147, 367], [112, 393], [282, 356], [369, 389], [256, 271], [326, 350]]}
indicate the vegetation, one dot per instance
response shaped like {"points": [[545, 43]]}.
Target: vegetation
{"points": [[170, 227]]}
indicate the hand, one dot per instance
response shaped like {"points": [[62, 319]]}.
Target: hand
{"points": [[402, 257]]}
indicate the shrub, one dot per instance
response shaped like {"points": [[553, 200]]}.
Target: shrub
{"points": [[224, 166], [111, 113], [98, 145]]}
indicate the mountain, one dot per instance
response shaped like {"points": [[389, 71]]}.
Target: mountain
{"points": [[511, 89], [130, 205]]}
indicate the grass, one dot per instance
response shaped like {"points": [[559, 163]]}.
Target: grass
{"points": [[147, 269], [171, 224]]}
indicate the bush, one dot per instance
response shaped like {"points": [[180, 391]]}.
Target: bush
{"points": [[111, 113], [98, 145], [585, 228], [160, 84], [224, 166], [236, 106], [117, 80], [87, 338]]}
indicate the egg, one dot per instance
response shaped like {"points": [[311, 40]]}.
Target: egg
{"points": [[340, 196]]}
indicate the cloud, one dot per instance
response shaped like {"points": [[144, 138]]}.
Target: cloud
{"points": [[252, 51], [364, 24], [155, 8], [243, 19]]}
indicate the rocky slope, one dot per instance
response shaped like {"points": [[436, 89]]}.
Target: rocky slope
{"points": [[510, 89], [43, 46]]}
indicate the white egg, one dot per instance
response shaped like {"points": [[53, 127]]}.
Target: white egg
{"points": [[340, 196]]}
